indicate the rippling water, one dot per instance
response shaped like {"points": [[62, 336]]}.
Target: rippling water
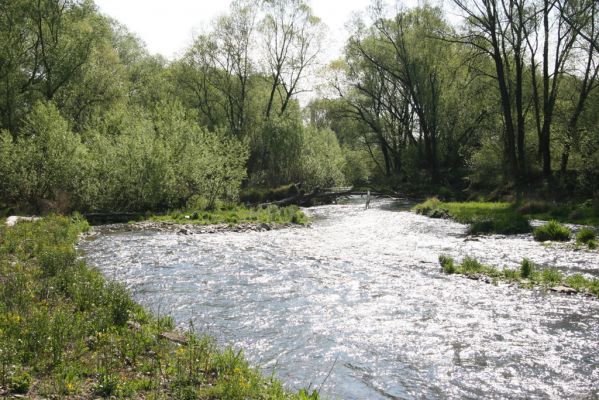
{"points": [[356, 305]]}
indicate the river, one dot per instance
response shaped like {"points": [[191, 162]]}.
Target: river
{"points": [[356, 305]]}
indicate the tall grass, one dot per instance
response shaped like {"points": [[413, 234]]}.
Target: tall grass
{"points": [[553, 230]]}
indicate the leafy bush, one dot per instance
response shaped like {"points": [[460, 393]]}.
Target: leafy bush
{"points": [[322, 161], [552, 231]]}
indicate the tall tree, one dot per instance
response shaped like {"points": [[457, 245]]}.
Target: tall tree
{"points": [[292, 37]]}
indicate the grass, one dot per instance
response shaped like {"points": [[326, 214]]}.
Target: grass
{"points": [[510, 218], [67, 332], [528, 275], [554, 231], [236, 214], [582, 213], [501, 218], [587, 237]]}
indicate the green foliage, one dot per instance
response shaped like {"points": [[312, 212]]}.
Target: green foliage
{"points": [[551, 276], [46, 161], [322, 161], [527, 267], [234, 214], [553, 230], [499, 218], [430, 207], [447, 264], [19, 382], [586, 236]]}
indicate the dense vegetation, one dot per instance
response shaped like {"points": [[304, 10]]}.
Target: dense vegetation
{"points": [[505, 102], [66, 331]]}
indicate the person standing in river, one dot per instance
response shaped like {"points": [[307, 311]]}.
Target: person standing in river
{"points": [[367, 200]]}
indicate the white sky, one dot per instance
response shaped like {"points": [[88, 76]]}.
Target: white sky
{"points": [[167, 26]]}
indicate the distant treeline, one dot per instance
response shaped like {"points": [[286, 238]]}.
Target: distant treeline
{"points": [[89, 120]]}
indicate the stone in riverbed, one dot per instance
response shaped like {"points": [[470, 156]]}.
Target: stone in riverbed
{"points": [[563, 289]]}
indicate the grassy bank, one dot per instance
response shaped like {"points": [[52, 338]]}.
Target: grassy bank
{"points": [[67, 332], [482, 217], [507, 218], [236, 214], [529, 275]]}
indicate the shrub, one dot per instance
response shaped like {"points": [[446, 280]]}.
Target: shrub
{"points": [[585, 236], [552, 231], [526, 268]]}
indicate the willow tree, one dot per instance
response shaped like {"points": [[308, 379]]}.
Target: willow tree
{"points": [[395, 70]]}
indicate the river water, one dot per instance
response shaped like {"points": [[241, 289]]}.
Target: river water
{"points": [[356, 305]]}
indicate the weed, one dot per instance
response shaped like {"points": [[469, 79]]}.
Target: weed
{"points": [[447, 264], [526, 268], [20, 381], [551, 276]]}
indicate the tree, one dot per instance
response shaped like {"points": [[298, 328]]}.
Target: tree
{"points": [[292, 38]]}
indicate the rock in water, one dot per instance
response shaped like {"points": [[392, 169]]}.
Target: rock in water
{"points": [[563, 289]]}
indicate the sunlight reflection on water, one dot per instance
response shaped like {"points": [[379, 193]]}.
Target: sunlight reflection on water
{"points": [[360, 294]]}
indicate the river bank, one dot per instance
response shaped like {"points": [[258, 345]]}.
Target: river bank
{"points": [[358, 307], [65, 331], [507, 218]]}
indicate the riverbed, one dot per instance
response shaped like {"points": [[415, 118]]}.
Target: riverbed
{"points": [[356, 304]]}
